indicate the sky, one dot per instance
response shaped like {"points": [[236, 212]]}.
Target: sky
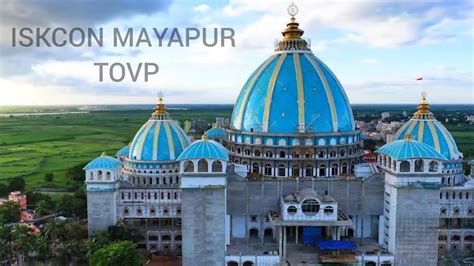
{"points": [[376, 48]]}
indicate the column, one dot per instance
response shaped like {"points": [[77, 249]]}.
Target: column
{"points": [[280, 242], [296, 235], [284, 242]]}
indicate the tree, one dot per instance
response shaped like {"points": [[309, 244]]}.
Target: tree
{"points": [[10, 211], [48, 177], [118, 253], [43, 248], [122, 232], [3, 190], [71, 205], [16, 184], [45, 207], [76, 173]]}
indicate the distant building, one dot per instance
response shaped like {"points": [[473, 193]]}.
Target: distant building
{"points": [[187, 126], [16, 196], [385, 115]]}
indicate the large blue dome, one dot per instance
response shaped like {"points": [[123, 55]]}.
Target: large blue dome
{"points": [[424, 127], [292, 92], [159, 139]]}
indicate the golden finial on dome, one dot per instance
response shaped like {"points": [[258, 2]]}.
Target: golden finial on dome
{"points": [[103, 153], [423, 110], [204, 137], [408, 137], [292, 33], [160, 109]]}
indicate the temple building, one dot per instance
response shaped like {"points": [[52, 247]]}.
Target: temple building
{"points": [[286, 183]]}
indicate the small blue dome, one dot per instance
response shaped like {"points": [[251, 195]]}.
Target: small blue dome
{"points": [[158, 140], [205, 149], [124, 151], [216, 133], [292, 92], [103, 162], [409, 149], [424, 127]]}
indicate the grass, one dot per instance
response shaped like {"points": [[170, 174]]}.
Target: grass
{"points": [[32, 146]]}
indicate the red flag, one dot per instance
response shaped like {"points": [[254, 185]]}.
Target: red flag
{"points": [[420, 78]]}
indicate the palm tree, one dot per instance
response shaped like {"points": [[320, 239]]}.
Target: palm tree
{"points": [[43, 248]]}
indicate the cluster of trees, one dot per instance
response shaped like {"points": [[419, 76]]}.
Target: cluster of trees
{"points": [[66, 243], [15, 184]]}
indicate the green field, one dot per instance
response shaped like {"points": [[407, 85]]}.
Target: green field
{"points": [[34, 145], [31, 146]]}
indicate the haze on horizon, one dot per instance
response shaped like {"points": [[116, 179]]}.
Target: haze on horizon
{"points": [[377, 49]]}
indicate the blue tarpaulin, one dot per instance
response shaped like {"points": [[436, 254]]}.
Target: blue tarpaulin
{"points": [[335, 245], [311, 235]]}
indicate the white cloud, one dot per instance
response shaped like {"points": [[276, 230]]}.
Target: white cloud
{"points": [[369, 61], [202, 8]]}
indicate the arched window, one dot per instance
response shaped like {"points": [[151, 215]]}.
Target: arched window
{"points": [[165, 238], [342, 153], [321, 154], [322, 170], [255, 168], [248, 263], [456, 211], [99, 175], [308, 155], [91, 176], [257, 153], [178, 238], [281, 170], [238, 150], [139, 212], [269, 154], [433, 166], [443, 211], [332, 154], [232, 263], [419, 166], [295, 155], [166, 211], [309, 170], [125, 211], [202, 166], [295, 171], [268, 169], [282, 154], [310, 207], [405, 166], [328, 210], [292, 210], [217, 166], [188, 166], [334, 169], [152, 212], [247, 152], [344, 168]]}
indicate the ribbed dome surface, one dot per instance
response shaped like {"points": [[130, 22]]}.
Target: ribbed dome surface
{"points": [[158, 140], [123, 151], [409, 149], [205, 149], [103, 162], [292, 92], [216, 133], [424, 127]]}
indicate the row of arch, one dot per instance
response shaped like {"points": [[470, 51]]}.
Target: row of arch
{"points": [[164, 211], [164, 238], [454, 195], [308, 170], [295, 155], [162, 195], [456, 211], [417, 166], [100, 175], [202, 166], [165, 180], [156, 172], [295, 142]]}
